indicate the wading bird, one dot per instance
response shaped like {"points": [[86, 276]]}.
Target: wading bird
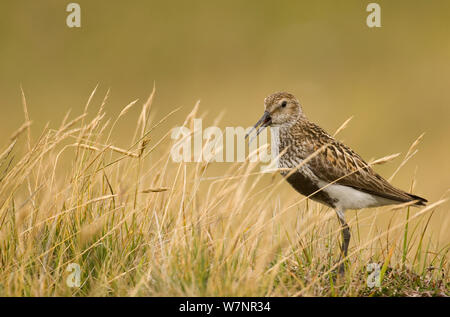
{"points": [[332, 174]]}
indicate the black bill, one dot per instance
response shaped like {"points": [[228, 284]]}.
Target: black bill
{"points": [[262, 123]]}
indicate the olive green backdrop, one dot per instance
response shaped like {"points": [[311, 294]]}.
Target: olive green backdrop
{"points": [[395, 79]]}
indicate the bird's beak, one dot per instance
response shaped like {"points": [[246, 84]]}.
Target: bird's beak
{"points": [[265, 121]]}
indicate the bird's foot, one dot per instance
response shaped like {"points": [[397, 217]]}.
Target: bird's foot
{"points": [[341, 267]]}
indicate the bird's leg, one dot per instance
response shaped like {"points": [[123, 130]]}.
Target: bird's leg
{"points": [[345, 239]]}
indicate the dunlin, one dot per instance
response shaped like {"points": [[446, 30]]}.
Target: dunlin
{"points": [[332, 174]]}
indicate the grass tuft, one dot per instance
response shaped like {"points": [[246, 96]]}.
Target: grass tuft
{"points": [[139, 224]]}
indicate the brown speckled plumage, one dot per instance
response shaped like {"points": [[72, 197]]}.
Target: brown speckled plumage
{"points": [[332, 173], [336, 162]]}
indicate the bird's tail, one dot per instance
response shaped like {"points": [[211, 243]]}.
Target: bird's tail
{"points": [[420, 201]]}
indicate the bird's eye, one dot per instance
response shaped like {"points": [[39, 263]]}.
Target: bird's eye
{"points": [[284, 103]]}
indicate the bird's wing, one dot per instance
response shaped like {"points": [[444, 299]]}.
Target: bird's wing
{"points": [[339, 164]]}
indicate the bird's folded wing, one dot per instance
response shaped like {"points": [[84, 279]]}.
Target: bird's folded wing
{"points": [[339, 164]]}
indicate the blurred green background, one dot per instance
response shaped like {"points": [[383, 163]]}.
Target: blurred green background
{"points": [[230, 55]]}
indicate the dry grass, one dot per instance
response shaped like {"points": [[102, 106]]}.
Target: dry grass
{"points": [[140, 225]]}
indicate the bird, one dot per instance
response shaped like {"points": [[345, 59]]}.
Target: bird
{"points": [[322, 168]]}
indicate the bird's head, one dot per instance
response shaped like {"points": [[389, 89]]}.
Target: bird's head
{"points": [[282, 109]]}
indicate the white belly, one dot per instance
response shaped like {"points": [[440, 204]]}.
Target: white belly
{"points": [[346, 197], [350, 198]]}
